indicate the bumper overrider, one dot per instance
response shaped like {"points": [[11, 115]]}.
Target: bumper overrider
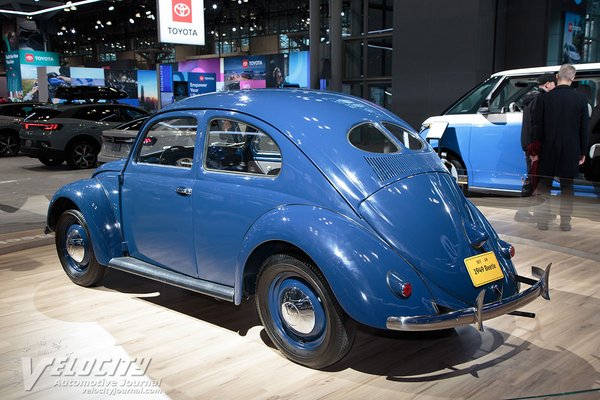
{"points": [[480, 313]]}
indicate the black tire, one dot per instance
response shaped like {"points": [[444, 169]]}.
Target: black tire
{"points": [[9, 144], [82, 154], [75, 251], [312, 329], [51, 162]]}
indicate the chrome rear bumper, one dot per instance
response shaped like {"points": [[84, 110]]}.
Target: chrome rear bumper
{"points": [[480, 313]]}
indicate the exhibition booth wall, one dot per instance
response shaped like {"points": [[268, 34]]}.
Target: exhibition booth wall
{"points": [[35, 76]]}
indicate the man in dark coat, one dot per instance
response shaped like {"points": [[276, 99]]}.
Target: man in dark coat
{"points": [[560, 123]]}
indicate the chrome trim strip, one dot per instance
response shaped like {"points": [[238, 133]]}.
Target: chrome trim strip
{"points": [[478, 314], [141, 268], [480, 189]]}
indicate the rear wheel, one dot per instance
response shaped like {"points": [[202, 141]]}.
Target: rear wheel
{"points": [[74, 248], [9, 144], [51, 162], [300, 314], [81, 155]]}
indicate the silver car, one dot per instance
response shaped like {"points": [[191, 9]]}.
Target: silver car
{"points": [[117, 142]]}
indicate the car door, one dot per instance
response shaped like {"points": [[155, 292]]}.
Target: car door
{"points": [[240, 181], [495, 155], [157, 193]]}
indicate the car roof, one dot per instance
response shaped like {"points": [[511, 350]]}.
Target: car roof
{"points": [[542, 70], [316, 122], [303, 115]]}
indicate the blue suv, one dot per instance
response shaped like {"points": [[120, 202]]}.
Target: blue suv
{"points": [[479, 136]]}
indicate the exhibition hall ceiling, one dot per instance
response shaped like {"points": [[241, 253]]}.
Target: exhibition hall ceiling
{"points": [[71, 26]]}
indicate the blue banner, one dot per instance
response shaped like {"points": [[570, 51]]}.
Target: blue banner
{"points": [[199, 82]]}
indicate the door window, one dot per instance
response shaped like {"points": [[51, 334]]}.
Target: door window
{"points": [[511, 91], [235, 146], [169, 142]]}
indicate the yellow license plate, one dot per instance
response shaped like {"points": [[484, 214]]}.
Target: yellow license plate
{"points": [[484, 268]]}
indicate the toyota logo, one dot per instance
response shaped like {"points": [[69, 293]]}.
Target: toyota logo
{"points": [[181, 10], [29, 57]]}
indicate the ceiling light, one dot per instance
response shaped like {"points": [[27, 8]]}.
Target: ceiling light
{"points": [[148, 12], [108, 23], [131, 20], [111, 8], [137, 15], [69, 5], [214, 6]]}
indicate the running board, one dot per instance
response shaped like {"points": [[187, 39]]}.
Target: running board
{"points": [[141, 268]]}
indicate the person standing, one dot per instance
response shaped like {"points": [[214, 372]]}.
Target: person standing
{"points": [[545, 83], [560, 123]]}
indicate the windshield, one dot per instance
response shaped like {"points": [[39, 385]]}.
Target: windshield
{"points": [[470, 103]]}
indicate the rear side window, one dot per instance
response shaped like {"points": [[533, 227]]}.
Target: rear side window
{"points": [[368, 137], [97, 113]]}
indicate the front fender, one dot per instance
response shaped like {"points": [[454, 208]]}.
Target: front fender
{"points": [[354, 261], [99, 206]]}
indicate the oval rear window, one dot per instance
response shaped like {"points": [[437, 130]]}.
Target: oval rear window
{"points": [[368, 137]]}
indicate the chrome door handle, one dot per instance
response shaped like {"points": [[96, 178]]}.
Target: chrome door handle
{"points": [[184, 191]]}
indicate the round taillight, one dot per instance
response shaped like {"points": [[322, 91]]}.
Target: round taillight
{"points": [[511, 251], [400, 287], [406, 290]]}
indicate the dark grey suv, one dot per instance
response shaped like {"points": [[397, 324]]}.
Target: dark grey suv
{"points": [[11, 114], [72, 132]]}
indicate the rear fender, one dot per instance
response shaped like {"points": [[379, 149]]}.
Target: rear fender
{"points": [[354, 261], [99, 207]]}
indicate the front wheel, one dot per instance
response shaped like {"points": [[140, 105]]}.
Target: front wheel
{"points": [[74, 248], [300, 314]]}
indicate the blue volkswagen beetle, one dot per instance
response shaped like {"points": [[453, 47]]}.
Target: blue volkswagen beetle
{"points": [[325, 208]]}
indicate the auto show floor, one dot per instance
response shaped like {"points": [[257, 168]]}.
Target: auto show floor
{"points": [[135, 338]]}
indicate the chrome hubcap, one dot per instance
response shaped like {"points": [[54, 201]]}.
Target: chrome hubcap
{"points": [[75, 245], [297, 310]]}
